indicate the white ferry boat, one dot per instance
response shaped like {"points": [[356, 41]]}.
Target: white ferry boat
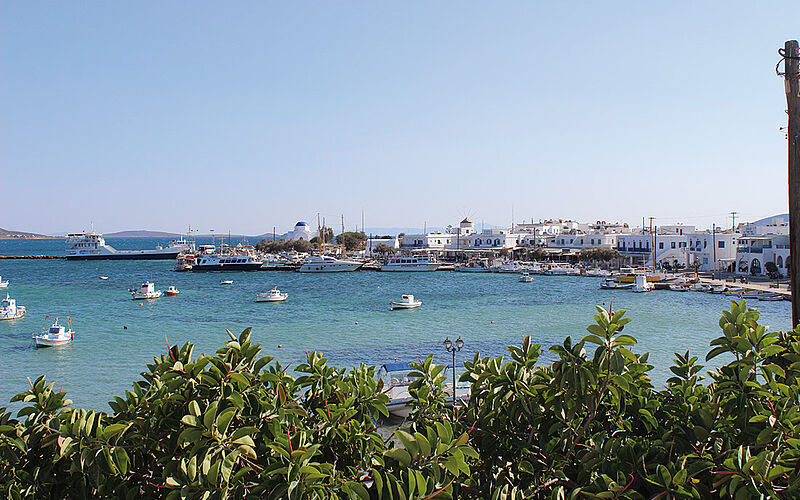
{"points": [[3, 284], [92, 246], [240, 259], [422, 262], [328, 264], [10, 310]]}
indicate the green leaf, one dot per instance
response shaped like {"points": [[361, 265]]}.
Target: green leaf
{"points": [[400, 455], [224, 419], [409, 442]]}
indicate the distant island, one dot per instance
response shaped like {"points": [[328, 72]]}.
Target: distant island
{"points": [[6, 234], [142, 234]]}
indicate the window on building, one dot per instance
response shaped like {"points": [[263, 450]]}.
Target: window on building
{"points": [[721, 244], [661, 246], [780, 261], [672, 245]]}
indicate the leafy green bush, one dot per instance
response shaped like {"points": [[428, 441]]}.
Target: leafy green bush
{"points": [[589, 425]]}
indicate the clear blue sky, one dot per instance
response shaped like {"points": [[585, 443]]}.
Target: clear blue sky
{"points": [[242, 116]]}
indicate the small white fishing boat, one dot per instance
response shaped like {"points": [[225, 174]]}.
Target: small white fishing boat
{"points": [[733, 292], [406, 302], [55, 335], [699, 287], [171, 291], [641, 284], [3, 284], [769, 296], [526, 278], [717, 289], [679, 288], [146, 291], [597, 273], [103, 277], [750, 294], [612, 284], [10, 310], [273, 295], [226, 282]]}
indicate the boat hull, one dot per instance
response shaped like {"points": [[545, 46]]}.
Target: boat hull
{"points": [[328, 268], [250, 266], [400, 305], [42, 342], [270, 299], [127, 256], [416, 268]]}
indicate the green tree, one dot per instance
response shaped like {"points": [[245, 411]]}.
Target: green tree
{"points": [[589, 424], [352, 240], [772, 270], [598, 254]]}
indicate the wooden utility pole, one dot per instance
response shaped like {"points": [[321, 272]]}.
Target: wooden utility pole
{"points": [[791, 56], [733, 220], [714, 247]]}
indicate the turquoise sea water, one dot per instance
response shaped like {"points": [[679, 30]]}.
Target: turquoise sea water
{"points": [[344, 315]]}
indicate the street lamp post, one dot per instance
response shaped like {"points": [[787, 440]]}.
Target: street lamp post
{"points": [[453, 348]]}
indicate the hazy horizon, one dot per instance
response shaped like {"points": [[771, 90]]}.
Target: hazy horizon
{"points": [[247, 116]]}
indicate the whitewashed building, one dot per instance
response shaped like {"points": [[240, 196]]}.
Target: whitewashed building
{"points": [[762, 241], [369, 249], [301, 231]]}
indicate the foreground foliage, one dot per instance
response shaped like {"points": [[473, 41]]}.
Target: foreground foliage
{"points": [[589, 425]]}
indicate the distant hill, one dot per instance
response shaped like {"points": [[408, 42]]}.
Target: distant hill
{"points": [[141, 234], [6, 234]]}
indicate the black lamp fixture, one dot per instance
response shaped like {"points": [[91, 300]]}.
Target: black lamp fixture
{"points": [[453, 348]]}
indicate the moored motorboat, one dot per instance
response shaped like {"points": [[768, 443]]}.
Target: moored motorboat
{"points": [[328, 264], [472, 266], [3, 284], [55, 335], [406, 302], [171, 290], [717, 289], [226, 282], [10, 310], [146, 291], [273, 295], [612, 284], [769, 296], [526, 278], [679, 287], [700, 287], [414, 263]]}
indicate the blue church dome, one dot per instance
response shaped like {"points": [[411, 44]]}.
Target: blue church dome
{"points": [[301, 223]]}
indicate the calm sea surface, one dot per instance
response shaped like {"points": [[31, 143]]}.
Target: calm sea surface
{"points": [[344, 315]]}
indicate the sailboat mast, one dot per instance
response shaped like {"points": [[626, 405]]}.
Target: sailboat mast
{"points": [[342, 235], [319, 229]]}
